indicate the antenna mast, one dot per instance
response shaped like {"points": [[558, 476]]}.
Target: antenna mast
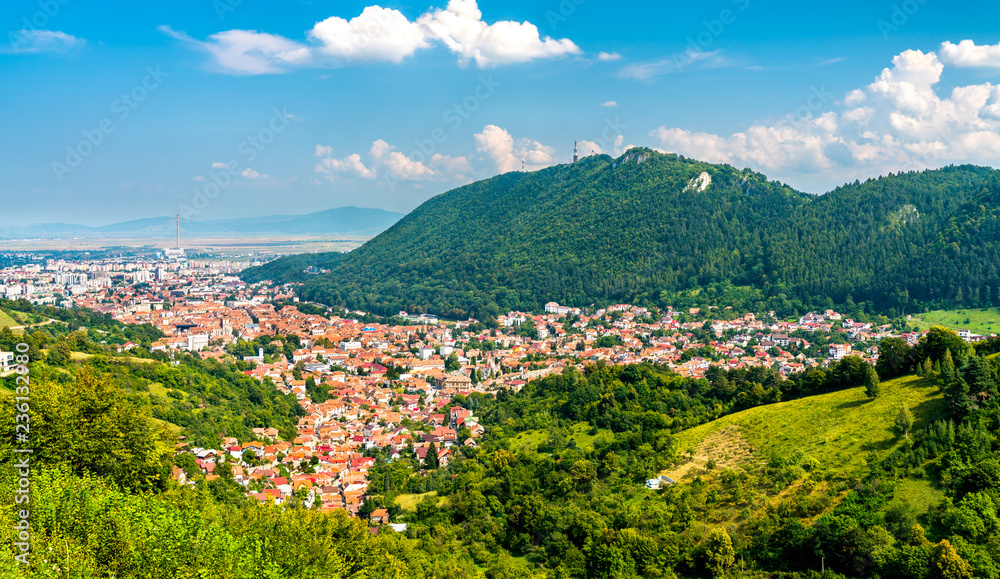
{"points": [[576, 156], [178, 231]]}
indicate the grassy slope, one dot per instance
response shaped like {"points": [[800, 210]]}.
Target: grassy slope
{"points": [[7, 321], [985, 322], [838, 429]]}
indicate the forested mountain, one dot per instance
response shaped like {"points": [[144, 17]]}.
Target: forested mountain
{"points": [[647, 225]]}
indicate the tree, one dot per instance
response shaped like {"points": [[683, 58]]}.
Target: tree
{"points": [[948, 372], [928, 368], [719, 552], [452, 363], [431, 458], [93, 427], [873, 386], [895, 358], [947, 564], [904, 422], [938, 341]]}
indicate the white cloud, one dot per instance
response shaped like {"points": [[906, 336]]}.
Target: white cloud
{"points": [[647, 70], [498, 145], [249, 173], [386, 160], [379, 34], [39, 41], [219, 165], [399, 164], [588, 148], [898, 122], [461, 28], [351, 165], [610, 104], [199, 179], [608, 56], [457, 168], [383, 35], [248, 51], [968, 53]]}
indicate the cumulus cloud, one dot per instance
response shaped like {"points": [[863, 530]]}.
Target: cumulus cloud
{"points": [[499, 146], [461, 28], [40, 41], [219, 165], [351, 165], [610, 104], [608, 56], [399, 164], [249, 173], [381, 34], [613, 148], [393, 164], [968, 53], [903, 120]]}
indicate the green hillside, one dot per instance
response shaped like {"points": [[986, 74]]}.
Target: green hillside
{"points": [[6, 321], [638, 228], [838, 429], [983, 322]]}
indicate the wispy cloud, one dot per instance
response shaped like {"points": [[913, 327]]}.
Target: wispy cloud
{"points": [[677, 63], [41, 41]]}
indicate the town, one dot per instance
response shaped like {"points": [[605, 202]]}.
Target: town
{"points": [[387, 386]]}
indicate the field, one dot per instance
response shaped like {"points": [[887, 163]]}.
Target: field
{"points": [[984, 322], [838, 430]]}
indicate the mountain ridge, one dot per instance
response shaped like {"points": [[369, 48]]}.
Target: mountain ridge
{"points": [[343, 220]]}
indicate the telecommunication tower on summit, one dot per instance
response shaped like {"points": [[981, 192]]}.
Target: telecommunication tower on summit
{"points": [[576, 156]]}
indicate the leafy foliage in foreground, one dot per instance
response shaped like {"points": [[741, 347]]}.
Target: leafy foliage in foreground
{"points": [[631, 229]]}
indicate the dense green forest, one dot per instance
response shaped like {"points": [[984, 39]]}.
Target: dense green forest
{"points": [[573, 502], [632, 229]]}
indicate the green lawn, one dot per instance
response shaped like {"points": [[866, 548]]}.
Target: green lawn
{"points": [[983, 322], [837, 429]]}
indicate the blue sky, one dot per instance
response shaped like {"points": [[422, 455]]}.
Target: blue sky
{"points": [[229, 108]]}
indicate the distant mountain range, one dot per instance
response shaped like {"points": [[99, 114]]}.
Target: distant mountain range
{"points": [[343, 220], [647, 227]]}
